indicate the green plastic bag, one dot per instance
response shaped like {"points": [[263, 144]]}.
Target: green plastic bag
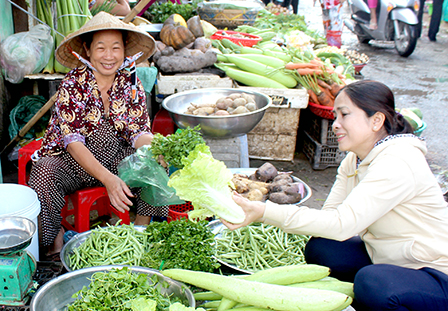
{"points": [[142, 170]]}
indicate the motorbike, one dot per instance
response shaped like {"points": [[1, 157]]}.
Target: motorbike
{"points": [[396, 21]]}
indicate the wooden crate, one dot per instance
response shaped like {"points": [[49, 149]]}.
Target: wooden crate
{"points": [[274, 138]]}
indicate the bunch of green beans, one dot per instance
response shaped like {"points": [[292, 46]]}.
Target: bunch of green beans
{"points": [[259, 247], [111, 245]]}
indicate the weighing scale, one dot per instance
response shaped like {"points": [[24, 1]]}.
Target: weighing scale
{"points": [[17, 266]]}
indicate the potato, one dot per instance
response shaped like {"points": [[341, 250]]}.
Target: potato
{"points": [[239, 102], [224, 104], [204, 111], [203, 104], [234, 96], [254, 195], [240, 110], [248, 97], [222, 113], [251, 106]]}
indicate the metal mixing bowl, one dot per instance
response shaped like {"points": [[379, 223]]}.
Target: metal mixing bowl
{"points": [[76, 241], [57, 293], [215, 126]]}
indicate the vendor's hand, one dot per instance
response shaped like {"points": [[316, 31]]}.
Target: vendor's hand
{"points": [[254, 211], [119, 193], [161, 161]]}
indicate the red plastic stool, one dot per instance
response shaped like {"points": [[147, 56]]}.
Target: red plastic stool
{"points": [[83, 201], [25, 154], [163, 123]]}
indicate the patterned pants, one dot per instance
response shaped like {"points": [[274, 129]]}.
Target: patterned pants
{"points": [[54, 177]]}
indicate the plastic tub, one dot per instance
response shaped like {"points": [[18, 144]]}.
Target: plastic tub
{"points": [[19, 200]]}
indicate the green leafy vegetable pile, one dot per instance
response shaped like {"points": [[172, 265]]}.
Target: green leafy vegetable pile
{"points": [[176, 146], [122, 289], [180, 244]]}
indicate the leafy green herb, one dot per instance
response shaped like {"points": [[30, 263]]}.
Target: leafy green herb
{"points": [[176, 146], [120, 289], [182, 244], [158, 13]]}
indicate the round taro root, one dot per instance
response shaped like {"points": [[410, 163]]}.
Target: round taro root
{"points": [[266, 172], [222, 113], [224, 104]]}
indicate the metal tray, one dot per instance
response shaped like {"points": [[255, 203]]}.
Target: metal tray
{"points": [[250, 171], [217, 226]]}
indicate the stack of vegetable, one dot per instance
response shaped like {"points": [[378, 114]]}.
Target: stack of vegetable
{"points": [[297, 287], [183, 46], [177, 244]]}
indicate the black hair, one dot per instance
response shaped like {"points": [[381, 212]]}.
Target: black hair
{"points": [[373, 96], [87, 37]]}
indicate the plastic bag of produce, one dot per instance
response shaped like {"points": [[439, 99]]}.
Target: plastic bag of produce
{"points": [[26, 53], [142, 170]]}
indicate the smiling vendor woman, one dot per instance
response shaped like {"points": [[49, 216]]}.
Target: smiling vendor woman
{"points": [[384, 225], [99, 118]]}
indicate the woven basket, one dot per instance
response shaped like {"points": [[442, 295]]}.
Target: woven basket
{"points": [[176, 212], [321, 111], [231, 18]]}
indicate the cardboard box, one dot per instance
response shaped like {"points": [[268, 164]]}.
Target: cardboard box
{"points": [[171, 84]]}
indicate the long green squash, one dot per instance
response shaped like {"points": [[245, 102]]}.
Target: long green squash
{"points": [[264, 59], [284, 275], [250, 79], [253, 66], [277, 297]]}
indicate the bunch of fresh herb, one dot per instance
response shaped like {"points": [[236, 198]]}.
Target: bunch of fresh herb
{"points": [[158, 13], [121, 289], [106, 6], [182, 244], [176, 146]]}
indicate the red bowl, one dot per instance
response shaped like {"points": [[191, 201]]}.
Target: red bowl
{"points": [[358, 67], [321, 111], [250, 40]]}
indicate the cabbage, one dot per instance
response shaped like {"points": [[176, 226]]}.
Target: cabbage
{"points": [[206, 182]]}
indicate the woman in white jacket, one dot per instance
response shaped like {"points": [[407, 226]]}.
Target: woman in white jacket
{"points": [[384, 225]]}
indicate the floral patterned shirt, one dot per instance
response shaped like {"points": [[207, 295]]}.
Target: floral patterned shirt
{"points": [[79, 111]]}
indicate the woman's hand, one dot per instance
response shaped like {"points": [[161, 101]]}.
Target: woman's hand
{"points": [[119, 193], [254, 211]]}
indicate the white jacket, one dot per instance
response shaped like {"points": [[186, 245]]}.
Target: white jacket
{"points": [[392, 200]]}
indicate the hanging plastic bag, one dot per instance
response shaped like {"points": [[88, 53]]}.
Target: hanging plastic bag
{"points": [[26, 53], [142, 170]]}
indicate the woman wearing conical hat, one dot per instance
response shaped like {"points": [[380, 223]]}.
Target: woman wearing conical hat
{"points": [[99, 118]]}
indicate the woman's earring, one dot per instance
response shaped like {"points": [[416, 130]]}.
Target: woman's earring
{"points": [[374, 127]]}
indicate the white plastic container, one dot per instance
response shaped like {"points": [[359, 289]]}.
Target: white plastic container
{"points": [[19, 200]]}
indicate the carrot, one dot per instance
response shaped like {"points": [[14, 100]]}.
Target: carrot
{"points": [[308, 71], [327, 91], [313, 96], [335, 88], [301, 66], [323, 84], [325, 97], [317, 62]]}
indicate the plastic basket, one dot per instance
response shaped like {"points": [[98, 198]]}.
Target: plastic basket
{"points": [[321, 156], [321, 111], [320, 129], [177, 212], [251, 41], [420, 130], [232, 18]]}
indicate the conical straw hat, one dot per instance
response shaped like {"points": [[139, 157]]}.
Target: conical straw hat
{"points": [[137, 40]]}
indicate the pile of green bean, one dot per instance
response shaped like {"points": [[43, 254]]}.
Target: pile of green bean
{"points": [[111, 245], [259, 247]]}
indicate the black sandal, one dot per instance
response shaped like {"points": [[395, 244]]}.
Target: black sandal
{"points": [[53, 257]]}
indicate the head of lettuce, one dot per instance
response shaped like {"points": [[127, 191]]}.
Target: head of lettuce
{"points": [[206, 183]]}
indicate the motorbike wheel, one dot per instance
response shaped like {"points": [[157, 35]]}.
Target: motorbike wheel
{"points": [[363, 40], [407, 41]]}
